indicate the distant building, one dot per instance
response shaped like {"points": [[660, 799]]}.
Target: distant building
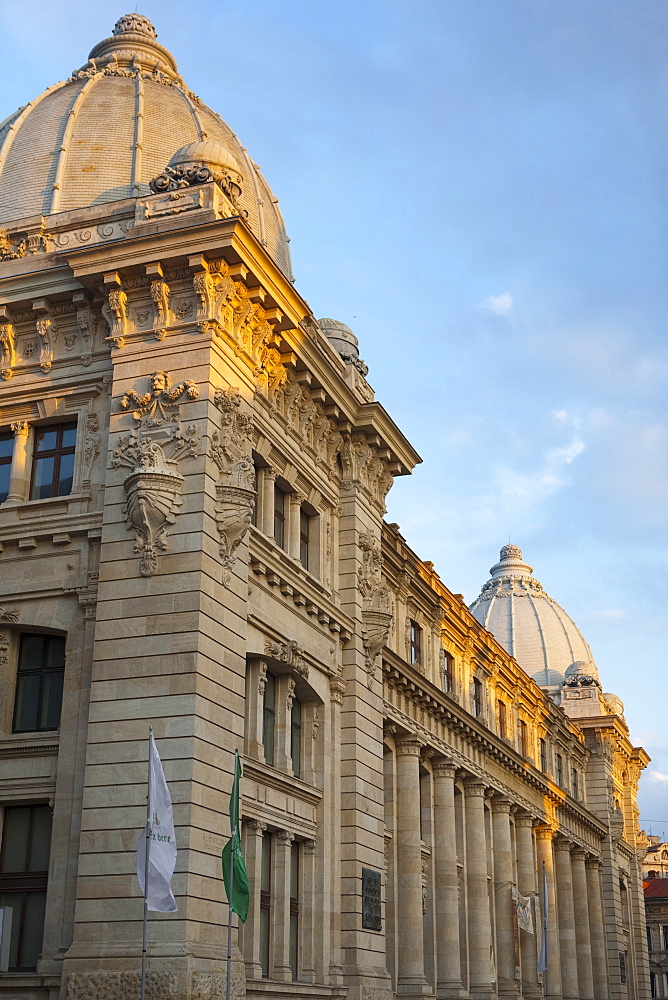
{"points": [[656, 912], [655, 862]]}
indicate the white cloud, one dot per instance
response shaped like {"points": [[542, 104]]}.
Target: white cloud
{"points": [[611, 614], [658, 777], [497, 305]]}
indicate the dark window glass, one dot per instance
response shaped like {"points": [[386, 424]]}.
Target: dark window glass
{"points": [[649, 938], [304, 537], [503, 721], [448, 673], [560, 770], [265, 903], [269, 718], [665, 937], [477, 697], [294, 909], [576, 784], [6, 449], [543, 754], [416, 643], [622, 966], [652, 984], [279, 516], [53, 461], [296, 737], [256, 472], [24, 865], [39, 683]]}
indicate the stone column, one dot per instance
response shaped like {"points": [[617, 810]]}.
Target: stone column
{"points": [[293, 527], [449, 978], [265, 518], [507, 984], [308, 912], [582, 932], [285, 694], [411, 979], [337, 687], [566, 914], [597, 929], [526, 884], [257, 679], [544, 855], [251, 929], [480, 928], [280, 929], [19, 474]]}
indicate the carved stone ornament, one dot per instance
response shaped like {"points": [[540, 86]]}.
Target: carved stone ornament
{"points": [[290, 653], [92, 442], [230, 449], [6, 615], [7, 346], [152, 450], [377, 609], [180, 176]]}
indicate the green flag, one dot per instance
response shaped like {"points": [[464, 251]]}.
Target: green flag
{"points": [[235, 875]]}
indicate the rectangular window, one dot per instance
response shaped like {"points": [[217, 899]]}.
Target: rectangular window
{"points": [[523, 738], [304, 537], [560, 770], [652, 984], [622, 966], [664, 935], [257, 471], [477, 697], [294, 909], [6, 449], [265, 903], [39, 683], [416, 643], [543, 754], [279, 516], [269, 718], [575, 781], [296, 737], [448, 673], [24, 868], [503, 720], [53, 461], [649, 938]]}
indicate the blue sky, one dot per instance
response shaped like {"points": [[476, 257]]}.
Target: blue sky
{"points": [[480, 191]]}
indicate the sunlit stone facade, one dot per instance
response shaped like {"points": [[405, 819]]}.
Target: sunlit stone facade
{"points": [[193, 475]]}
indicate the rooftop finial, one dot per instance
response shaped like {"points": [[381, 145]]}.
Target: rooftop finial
{"points": [[136, 23], [511, 552]]}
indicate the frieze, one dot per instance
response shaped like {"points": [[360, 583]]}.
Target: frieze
{"points": [[291, 653]]}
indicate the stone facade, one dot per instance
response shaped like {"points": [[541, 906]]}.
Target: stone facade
{"points": [[210, 553], [656, 908]]}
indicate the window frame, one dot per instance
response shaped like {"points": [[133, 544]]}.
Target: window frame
{"points": [[57, 453], [6, 460], [523, 737], [415, 643], [295, 889], [25, 882], [264, 929], [296, 737], [448, 672], [559, 769], [502, 718], [542, 745], [45, 673], [269, 718], [280, 517], [476, 698], [305, 540]]}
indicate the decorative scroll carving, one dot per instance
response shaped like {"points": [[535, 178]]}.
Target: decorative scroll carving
{"points": [[7, 344], [377, 609], [46, 332], [235, 491], [290, 653], [160, 298], [115, 310], [152, 450], [180, 176], [86, 325], [7, 615]]}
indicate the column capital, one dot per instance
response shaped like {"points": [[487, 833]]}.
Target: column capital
{"points": [[501, 805], [545, 833], [256, 825], [592, 862], [298, 498], [444, 769], [408, 746], [309, 846], [284, 837], [269, 472], [337, 687], [563, 844], [20, 427], [524, 819], [579, 853], [474, 787]]}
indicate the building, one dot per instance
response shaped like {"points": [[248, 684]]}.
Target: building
{"points": [[656, 908], [193, 473], [655, 861]]}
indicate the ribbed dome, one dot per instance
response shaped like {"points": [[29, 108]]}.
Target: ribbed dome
{"points": [[102, 135], [534, 629]]}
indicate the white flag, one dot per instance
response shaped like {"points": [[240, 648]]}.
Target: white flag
{"points": [[523, 904], [162, 840]]}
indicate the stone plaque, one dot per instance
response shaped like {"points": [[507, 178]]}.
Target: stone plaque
{"points": [[371, 900]]}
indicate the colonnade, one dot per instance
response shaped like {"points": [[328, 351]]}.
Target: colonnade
{"points": [[482, 847]]}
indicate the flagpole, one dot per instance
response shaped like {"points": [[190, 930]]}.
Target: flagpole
{"points": [[228, 986], [147, 855]]}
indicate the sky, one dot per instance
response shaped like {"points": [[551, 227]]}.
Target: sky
{"points": [[480, 190]]}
